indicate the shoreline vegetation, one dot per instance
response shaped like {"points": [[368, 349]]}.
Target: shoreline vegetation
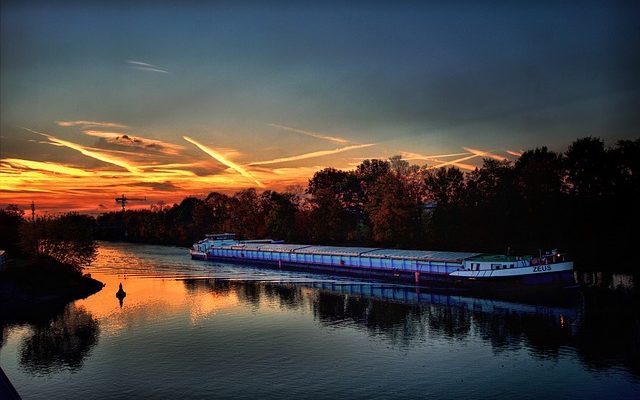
{"points": [[40, 287], [46, 267]]}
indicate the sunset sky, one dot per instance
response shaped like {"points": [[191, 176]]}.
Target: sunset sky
{"points": [[163, 100]]}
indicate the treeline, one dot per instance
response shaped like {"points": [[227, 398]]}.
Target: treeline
{"points": [[584, 201]]}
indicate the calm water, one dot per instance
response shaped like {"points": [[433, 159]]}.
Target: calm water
{"points": [[212, 330]]}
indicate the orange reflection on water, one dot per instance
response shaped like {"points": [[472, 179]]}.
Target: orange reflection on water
{"points": [[149, 300]]}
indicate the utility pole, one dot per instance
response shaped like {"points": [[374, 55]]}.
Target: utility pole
{"points": [[123, 200], [33, 212]]}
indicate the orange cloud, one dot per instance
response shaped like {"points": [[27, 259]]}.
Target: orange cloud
{"points": [[485, 154], [47, 166], [214, 154], [122, 139], [515, 153], [91, 153], [454, 162]]}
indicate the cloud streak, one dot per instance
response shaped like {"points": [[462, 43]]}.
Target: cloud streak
{"points": [[454, 162], [47, 166], [90, 153], [91, 124], [143, 66], [515, 153], [485, 154], [406, 155], [312, 134], [313, 154], [214, 154], [121, 139]]}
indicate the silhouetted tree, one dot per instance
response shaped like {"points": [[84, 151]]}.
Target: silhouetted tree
{"points": [[11, 218], [280, 214], [539, 180], [67, 238], [588, 168]]}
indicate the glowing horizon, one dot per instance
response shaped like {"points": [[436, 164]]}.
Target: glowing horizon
{"points": [[164, 172]]}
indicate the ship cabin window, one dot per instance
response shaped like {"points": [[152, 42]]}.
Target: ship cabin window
{"points": [[510, 265], [496, 266]]}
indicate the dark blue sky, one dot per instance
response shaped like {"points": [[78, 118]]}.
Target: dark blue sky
{"points": [[474, 72]]}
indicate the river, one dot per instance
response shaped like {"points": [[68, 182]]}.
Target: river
{"points": [[194, 329]]}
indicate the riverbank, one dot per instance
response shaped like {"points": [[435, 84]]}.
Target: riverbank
{"points": [[29, 288]]}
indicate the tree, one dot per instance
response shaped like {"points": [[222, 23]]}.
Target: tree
{"points": [[11, 218], [444, 186], [392, 212], [280, 214], [247, 215], [539, 180], [68, 239], [588, 168], [336, 204], [220, 205]]}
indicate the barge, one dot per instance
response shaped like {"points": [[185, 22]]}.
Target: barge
{"points": [[419, 266]]}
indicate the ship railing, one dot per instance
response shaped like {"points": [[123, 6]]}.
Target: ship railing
{"points": [[549, 258]]}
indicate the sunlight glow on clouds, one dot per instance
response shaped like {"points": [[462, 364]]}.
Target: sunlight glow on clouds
{"points": [[123, 139], [312, 154], [166, 172], [223, 160], [90, 152]]}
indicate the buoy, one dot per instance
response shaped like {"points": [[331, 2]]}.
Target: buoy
{"points": [[121, 293]]}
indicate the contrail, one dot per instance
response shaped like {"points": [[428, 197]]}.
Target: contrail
{"points": [[316, 135], [151, 69], [47, 166], [406, 155], [146, 66], [90, 153], [483, 153], [515, 153], [312, 154], [87, 124], [453, 161], [223, 160], [460, 165]]}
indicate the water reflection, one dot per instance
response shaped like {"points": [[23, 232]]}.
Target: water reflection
{"points": [[189, 328], [609, 333], [605, 333], [63, 342]]}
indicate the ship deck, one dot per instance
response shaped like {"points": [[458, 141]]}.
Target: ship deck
{"points": [[373, 252]]}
